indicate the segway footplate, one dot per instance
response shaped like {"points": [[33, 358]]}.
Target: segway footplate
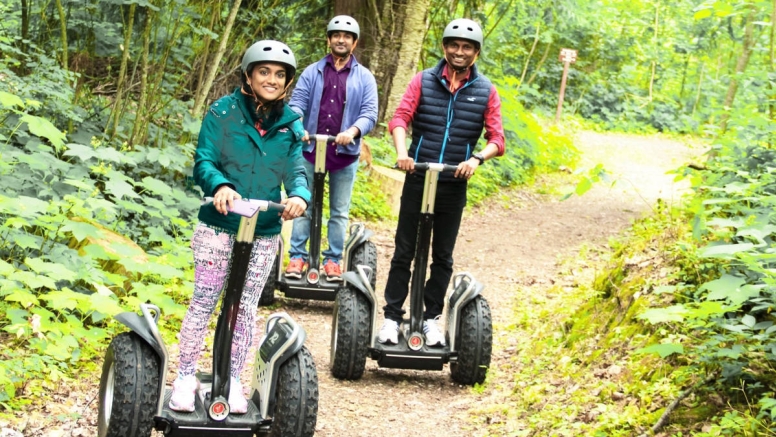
{"points": [[197, 423], [402, 357]]}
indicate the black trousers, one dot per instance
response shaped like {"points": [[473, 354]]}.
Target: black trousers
{"points": [[450, 201]]}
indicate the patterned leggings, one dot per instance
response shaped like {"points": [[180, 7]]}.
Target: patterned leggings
{"points": [[212, 249]]}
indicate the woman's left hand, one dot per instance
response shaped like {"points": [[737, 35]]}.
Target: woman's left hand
{"points": [[295, 207]]}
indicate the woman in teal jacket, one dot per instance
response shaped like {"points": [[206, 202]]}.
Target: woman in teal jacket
{"points": [[249, 144]]}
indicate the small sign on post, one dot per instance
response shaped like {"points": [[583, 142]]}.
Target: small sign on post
{"points": [[567, 56]]}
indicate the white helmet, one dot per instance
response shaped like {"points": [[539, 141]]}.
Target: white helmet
{"points": [[270, 51], [343, 23], [463, 28]]}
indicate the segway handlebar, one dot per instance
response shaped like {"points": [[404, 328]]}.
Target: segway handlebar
{"points": [[433, 166], [249, 207], [323, 138]]}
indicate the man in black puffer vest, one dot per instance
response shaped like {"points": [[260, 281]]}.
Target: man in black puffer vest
{"points": [[448, 107]]}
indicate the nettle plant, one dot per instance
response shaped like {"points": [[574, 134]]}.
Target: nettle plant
{"points": [[726, 292], [87, 229]]}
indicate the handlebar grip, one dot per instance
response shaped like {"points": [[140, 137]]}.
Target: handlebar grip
{"points": [[326, 138], [279, 207], [441, 168]]}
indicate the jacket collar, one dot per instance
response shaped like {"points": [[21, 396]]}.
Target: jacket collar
{"points": [[322, 63], [287, 117], [440, 68]]}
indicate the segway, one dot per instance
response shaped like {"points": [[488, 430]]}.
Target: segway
{"points": [[133, 396], [469, 330], [357, 249]]}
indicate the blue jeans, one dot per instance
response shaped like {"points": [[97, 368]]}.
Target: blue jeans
{"points": [[340, 191]]}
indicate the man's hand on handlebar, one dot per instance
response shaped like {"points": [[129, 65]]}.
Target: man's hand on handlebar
{"points": [[295, 207], [406, 163], [224, 199], [345, 137], [466, 169]]}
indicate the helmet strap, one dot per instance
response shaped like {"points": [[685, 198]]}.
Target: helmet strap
{"points": [[260, 106]]}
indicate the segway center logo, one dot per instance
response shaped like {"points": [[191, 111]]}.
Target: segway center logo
{"points": [[273, 339]]}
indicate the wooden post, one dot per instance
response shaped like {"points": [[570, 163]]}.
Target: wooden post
{"points": [[567, 56]]}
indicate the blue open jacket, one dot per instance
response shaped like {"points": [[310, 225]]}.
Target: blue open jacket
{"points": [[360, 102], [231, 151]]}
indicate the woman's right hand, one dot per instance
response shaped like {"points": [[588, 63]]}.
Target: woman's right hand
{"points": [[224, 199]]}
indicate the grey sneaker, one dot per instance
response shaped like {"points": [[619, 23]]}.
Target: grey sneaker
{"points": [[389, 333]]}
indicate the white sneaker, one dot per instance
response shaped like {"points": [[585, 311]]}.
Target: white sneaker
{"points": [[237, 402], [434, 337], [184, 393], [389, 333]]}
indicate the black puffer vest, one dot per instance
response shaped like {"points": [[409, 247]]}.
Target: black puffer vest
{"points": [[447, 126]]}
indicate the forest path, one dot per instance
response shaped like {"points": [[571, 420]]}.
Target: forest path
{"points": [[513, 242]]}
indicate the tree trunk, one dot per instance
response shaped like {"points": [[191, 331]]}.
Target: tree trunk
{"points": [[741, 64], [142, 109], [656, 54], [360, 10], [528, 58], [206, 51], [411, 44], [539, 65], [771, 66], [115, 115], [199, 102], [63, 33]]}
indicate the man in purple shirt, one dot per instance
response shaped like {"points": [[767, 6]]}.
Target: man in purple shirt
{"points": [[336, 96]]}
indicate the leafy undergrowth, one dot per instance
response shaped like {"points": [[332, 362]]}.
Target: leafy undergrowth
{"points": [[582, 356]]}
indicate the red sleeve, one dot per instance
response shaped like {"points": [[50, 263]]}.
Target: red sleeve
{"points": [[408, 105], [494, 128]]}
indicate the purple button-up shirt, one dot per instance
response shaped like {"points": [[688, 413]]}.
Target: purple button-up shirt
{"points": [[332, 106]]}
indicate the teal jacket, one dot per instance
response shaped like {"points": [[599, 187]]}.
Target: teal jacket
{"points": [[231, 151]]}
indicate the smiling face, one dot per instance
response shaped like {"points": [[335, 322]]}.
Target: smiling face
{"points": [[460, 53], [268, 81], [341, 43]]}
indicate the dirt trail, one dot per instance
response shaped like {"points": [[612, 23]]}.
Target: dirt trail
{"points": [[505, 245]]}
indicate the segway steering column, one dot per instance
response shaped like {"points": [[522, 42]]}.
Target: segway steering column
{"points": [[230, 305], [415, 338]]}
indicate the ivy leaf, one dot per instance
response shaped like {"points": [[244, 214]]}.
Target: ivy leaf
{"points": [[80, 230], [6, 269], [9, 100], [63, 299], [723, 287], [748, 320], [84, 153], [29, 207], [156, 186], [53, 270], [664, 349], [23, 297], [33, 281], [41, 127], [81, 184], [105, 304], [674, 313], [120, 188], [724, 251]]}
